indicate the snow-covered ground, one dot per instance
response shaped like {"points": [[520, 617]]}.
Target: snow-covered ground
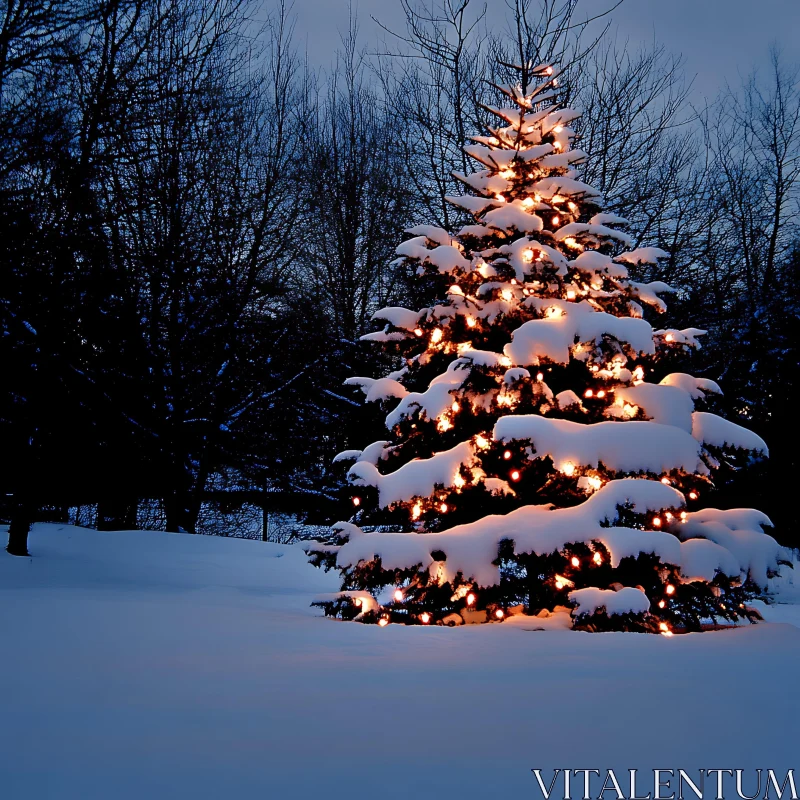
{"points": [[141, 664]]}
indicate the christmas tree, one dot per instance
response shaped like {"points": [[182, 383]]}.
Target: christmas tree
{"points": [[543, 449]]}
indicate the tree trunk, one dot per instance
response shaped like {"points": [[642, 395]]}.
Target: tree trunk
{"points": [[264, 524], [21, 520], [178, 514]]}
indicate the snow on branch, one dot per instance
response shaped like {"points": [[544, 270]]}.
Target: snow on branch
{"points": [[630, 447]]}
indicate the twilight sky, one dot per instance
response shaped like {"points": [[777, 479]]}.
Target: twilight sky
{"points": [[719, 38]]}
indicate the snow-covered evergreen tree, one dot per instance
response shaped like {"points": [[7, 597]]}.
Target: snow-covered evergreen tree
{"points": [[540, 451]]}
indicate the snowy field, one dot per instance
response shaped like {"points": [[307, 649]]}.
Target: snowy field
{"points": [[156, 665]]}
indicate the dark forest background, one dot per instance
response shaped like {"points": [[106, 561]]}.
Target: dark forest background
{"points": [[195, 228]]}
